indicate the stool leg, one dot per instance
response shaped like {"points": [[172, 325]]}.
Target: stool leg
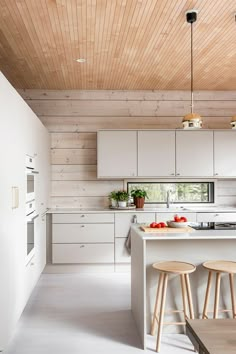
{"points": [[189, 295], [231, 281], [158, 297], [217, 293], [204, 314], [184, 295], [162, 308]]}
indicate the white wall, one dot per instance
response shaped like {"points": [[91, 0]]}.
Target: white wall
{"points": [[73, 118], [21, 133]]}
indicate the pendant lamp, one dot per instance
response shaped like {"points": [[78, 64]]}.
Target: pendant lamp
{"points": [[192, 120], [233, 122]]}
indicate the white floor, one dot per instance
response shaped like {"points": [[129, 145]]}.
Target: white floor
{"points": [[84, 314]]}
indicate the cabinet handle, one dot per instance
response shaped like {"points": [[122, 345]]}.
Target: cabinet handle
{"points": [[177, 174], [32, 264], [216, 174], [216, 214], [172, 174], [82, 225], [82, 216], [82, 246]]}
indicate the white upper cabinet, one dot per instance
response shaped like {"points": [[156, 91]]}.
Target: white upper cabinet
{"points": [[156, 153], [225, 156], [194, 153], [117, 153]]}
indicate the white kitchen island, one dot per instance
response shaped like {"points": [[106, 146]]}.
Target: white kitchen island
{"points": [[196, 247]]}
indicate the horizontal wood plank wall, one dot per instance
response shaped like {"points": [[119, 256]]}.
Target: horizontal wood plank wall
{"points": [[73, 117]]}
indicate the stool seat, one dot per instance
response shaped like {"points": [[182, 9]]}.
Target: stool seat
{"points": [[221, 266], [174, 267]]}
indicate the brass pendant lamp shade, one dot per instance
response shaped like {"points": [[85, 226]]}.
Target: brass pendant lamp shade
{"points": [[233, 122], [192, 120]]}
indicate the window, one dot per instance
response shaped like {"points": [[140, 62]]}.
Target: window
{"points": [[180, 192]]}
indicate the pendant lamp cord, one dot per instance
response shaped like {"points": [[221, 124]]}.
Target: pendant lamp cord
{"points": [[191, 67]]}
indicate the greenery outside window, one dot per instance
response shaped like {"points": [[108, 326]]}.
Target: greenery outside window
{"points": [[180, 192]]}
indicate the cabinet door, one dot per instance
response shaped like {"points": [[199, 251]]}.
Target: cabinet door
{"points": [[117, 153], [191, 217], [194, 153], [83, 253], [121, 253], [156, 153], [82, 233], [124, 221], [224, 153]]}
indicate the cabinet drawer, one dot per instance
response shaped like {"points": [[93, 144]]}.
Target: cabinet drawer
{"points": [[82, 218], [123, 221], [83, 253], [82, 233], [121, 253], [170, 216], [216, 217]]}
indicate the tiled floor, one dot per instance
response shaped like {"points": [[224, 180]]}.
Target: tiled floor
{"points": [[84, 314]]}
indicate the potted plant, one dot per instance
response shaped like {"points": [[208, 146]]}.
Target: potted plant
{"points": [[113, 198], [139, 196], [122, 198]]}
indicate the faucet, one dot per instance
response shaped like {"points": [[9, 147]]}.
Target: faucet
{"points": [[168, 199]]}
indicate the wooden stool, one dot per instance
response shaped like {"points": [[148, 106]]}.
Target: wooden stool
{"points": [[219, 267], [165, 268]]}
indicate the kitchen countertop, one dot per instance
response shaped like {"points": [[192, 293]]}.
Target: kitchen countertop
{"points": [[192, 209], [195, 235]]}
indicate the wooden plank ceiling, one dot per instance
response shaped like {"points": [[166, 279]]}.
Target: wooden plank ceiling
{"points": [[127, 44]]}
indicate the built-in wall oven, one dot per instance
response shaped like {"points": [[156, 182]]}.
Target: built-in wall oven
{"points": [[30, 218]]}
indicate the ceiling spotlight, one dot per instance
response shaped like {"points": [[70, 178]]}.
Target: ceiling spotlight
{"points": [[80, 60]]}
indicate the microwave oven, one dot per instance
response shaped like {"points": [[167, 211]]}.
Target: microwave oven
{"points": [[30, 178]]}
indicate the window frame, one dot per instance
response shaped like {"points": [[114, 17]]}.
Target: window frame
{"points": [[161, 204]]}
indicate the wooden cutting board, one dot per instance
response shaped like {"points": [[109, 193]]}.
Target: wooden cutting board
{"points": [[166, 230]]}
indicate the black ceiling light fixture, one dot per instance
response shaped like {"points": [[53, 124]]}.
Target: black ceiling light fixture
{"points": [[192, 120]]}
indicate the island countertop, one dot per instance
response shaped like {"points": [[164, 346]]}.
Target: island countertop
{"points": [[195, 235]]}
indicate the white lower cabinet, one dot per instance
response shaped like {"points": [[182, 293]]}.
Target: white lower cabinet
{"points": [[83, 238], [83, 253], [121, 253], [30, 276], [83, 233], [191, 217], [216, 217], [123, 222]]}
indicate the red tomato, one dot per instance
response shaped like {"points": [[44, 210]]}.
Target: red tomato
{"points": [[158, 226], [153, 225], [177, 218], [184, 219], [162, 224]]}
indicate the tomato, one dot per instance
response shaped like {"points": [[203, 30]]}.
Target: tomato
{"points": [[184, 219], [177, 218], [158, 226], [162, 224], [153, 225]]}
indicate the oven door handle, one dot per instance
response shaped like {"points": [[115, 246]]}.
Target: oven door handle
{"points": [[35, 217], [35, 172], [32, 217]]}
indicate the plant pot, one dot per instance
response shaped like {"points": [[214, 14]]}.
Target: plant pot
{"points": [[139, 202], [122, 204], [113, 203]]}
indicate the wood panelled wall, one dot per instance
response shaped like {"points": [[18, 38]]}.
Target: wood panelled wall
{"points": [[74, 117]]}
